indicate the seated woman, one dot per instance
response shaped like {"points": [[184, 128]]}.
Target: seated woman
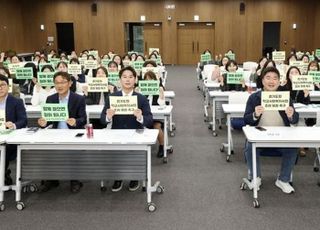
{"points": [[256, 115], [40, 93], [156, 100], [231, 67], [79, 77]]}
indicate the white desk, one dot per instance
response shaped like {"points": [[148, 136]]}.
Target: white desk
{"points": [[169, 96], [237, 111], [314, 95], [88, 165], [221, 97], [3, 188], [279, 137], [94, 112]]}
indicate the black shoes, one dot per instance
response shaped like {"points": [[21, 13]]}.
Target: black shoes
{"points": [[8, 180], [75, 186], [117, 186], [48, 184], [160, 151], [134, 185]]}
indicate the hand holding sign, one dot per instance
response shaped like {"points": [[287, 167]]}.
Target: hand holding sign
{"points": [[42, 122], [258, 110], [289, 111], [71, 121], [138, 114], [110, 113], [10, 125]]}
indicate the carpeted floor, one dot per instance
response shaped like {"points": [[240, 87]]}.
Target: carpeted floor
{"points": [[202, 189]]}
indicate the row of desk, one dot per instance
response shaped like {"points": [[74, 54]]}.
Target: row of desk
{"points": [[54, 154]]}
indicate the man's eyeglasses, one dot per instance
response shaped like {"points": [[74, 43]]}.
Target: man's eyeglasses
{"points": [[61, 83]]}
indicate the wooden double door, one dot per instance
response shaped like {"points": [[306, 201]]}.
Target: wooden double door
{"points": [[152, 36], [193, 39]]}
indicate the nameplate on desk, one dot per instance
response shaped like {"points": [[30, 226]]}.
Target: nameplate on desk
{"points": [[123, 105], [55, 112], [98, 84], [302, 82], [276, 100]]}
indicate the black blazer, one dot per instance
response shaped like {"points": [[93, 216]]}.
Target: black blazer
{"points": [[16, 112], [76, 109], [129, 121]]}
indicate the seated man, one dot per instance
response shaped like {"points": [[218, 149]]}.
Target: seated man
{"points": [[77, 117], [142, 117], [15, 118], [255, 115]]}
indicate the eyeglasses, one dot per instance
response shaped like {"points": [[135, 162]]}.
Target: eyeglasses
{"points": [[3, 85], [61, 83]]}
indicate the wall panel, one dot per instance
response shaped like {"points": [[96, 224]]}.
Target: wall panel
{"points": [[105, 30]]}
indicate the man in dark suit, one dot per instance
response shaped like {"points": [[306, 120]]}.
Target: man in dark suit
{"points": [[15, 118], [77, 117], [141, 117]]}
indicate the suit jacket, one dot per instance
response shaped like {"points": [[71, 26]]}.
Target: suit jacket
{"points": [[93, 98], [76, 109], [129, 121], [16, 113]]}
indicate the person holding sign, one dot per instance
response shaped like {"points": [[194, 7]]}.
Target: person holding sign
{"points": [[15, 83], [112, 67], [314, 66], [26, 85], [257, 115], [268, 63], [40, 92], [12, 116], [225, 80], [296, 96], [80, 77], [77, 117], [117, 59], [156, 100], [138, 119], [63, 67]]}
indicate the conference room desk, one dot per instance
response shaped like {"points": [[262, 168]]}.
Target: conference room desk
{"points": [[3, 187], [57, 154], [237, 111], [169, 96], [208, 87], [314, 95], [94, 112], [278, 137]]}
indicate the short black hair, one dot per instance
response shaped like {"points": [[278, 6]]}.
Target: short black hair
{"points": [[129, 68], [64, 75], [268, 70], [4, 78]]}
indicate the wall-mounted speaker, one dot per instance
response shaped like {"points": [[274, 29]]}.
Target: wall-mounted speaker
{"points": [[94, 8], [242, 7]]}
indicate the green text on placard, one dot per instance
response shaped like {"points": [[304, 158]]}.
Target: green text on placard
{"points": [[149, 87], [55, 112], [235, 78], [46, 78], [24, 73]]}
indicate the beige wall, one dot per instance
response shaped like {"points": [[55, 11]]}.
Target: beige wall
{"points": [[105, 31]]}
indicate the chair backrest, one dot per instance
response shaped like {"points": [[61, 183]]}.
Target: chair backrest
{"points": [[207, 71], [249, 65], [318, 119], [238, 97]]}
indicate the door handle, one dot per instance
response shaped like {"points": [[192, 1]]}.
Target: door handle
{"points": [[192, 47], [145, 47], [198, 46]]}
